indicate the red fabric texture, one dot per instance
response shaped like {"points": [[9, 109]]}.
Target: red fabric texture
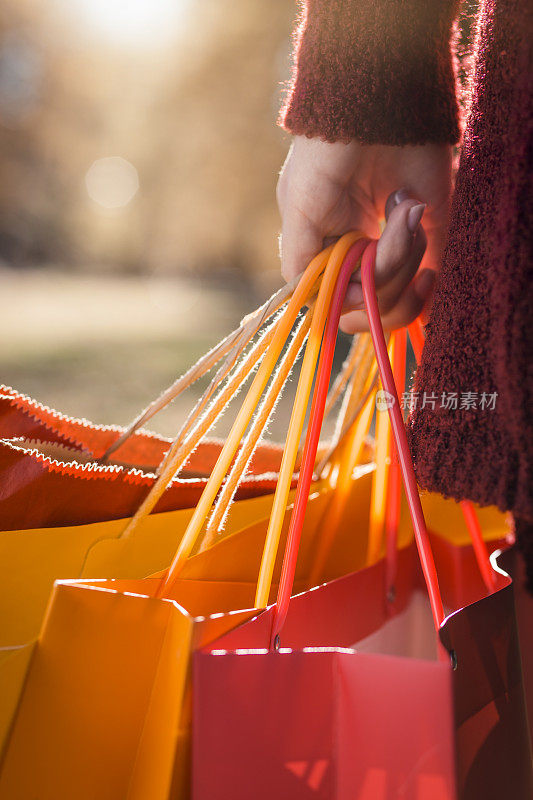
{"points": [[374, 70], [479, 334], [39, 491]]}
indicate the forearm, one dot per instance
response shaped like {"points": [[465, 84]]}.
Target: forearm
{"points": [[379, 71]]}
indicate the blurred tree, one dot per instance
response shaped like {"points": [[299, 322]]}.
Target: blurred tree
{"points": [[194, 114], [218, 149], [196, 119]]}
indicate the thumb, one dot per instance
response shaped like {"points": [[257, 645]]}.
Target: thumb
{"points": [[402, 242]]}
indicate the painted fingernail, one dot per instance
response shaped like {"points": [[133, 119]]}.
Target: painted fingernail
{"points": [[414, 217], [401, 195], [394, 199]]}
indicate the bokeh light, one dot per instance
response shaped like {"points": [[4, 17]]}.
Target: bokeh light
{"points": [[133, 22], [112, 182]]}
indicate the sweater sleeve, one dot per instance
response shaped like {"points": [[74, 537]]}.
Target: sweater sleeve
{"points": [[379, 71]]}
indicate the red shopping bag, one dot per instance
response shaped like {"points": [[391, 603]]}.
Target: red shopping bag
{"points": [[362, 700], [512, 562]]}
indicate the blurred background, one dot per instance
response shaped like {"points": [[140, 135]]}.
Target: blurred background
{"points": [[139, 156], [138, 162]]}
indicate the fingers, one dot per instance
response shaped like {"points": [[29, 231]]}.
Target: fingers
{"points": [[397, 243], [300, 241], [399, 253], [409, 306], [402, 289]]}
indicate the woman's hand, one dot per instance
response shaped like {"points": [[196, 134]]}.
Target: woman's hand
{"points": [[325, 190]]}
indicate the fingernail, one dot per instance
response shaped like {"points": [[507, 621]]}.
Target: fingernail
{"points": [[414, 217], [400, 196], [394, 199]]}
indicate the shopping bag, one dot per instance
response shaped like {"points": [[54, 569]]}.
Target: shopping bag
{"points": [[57, 503], [104, 704], [41, 492], [73, 719], [326, 697], [56, 494], [51, 476]]}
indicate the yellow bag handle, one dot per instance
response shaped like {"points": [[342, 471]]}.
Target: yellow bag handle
{"points": [[233, 344], [283, 328], [303, 391], [183, 445], [227, 493]]}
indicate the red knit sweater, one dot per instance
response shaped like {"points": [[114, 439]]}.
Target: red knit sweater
{"points": [[380, 71]]}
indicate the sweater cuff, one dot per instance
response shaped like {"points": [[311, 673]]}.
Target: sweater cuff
{"points": [[379, 71]]}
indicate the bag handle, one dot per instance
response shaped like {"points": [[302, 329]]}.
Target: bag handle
{"points": [[394, 488], [341, 475], [187, 439], [195, 426], [300, 295], [400, 436], [406, 466], [225, 498], [311, 443], [232, 345], [303, 392], [380, 478]]}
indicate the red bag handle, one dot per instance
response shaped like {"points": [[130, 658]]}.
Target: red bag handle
{"points": [[400, 436], [313, 433]]}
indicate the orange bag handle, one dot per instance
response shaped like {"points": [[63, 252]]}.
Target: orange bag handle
{"points": [[394, 489], [380, 479], [400, 437], [301, 400], [311, 441], [264, 411], [300, 295]]}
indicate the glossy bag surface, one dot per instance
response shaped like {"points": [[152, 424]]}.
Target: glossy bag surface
{"points": [[361, 707]]}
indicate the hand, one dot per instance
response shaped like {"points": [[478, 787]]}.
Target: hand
{"points": [[325, 190]]}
